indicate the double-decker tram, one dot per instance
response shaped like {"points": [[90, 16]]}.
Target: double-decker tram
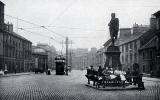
{"points": [[60, 65]]}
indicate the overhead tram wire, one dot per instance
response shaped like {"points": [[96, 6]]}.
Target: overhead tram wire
{"points": [[53, 31], [22, 20], [72, 28], [36, 25], [40, 35], [75, 28]]}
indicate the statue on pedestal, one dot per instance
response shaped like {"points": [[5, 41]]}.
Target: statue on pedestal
{"points": [[113, 53], [113, 27]]}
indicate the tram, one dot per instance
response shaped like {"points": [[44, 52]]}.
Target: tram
{"points": [[60, 65]]}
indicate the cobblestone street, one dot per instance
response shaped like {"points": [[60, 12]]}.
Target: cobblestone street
{"points": [[72, 87]]}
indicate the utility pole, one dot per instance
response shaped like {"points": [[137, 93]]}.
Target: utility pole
{"points": [[62, 47], [71, 54], [66, 55]]}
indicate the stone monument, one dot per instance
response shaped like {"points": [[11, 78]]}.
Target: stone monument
{"points": [[113, 52]]}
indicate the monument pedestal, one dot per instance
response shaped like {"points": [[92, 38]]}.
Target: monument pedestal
{"points": [[113, 57]]}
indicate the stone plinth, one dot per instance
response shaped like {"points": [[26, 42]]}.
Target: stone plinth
{"points": [[113, 57]]}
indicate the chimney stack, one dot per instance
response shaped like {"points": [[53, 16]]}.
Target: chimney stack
{"points": [[125, 33], [153, 22]]}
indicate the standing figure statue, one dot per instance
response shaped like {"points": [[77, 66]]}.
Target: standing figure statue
{"points": [[113, 28]]}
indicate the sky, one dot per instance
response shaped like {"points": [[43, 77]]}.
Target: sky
{"points": [[84, 22]]}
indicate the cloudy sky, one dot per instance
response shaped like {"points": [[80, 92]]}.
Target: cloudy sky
{"points": [[83, 21]]}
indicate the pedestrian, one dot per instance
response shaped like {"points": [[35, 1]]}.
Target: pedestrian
{"points": [[69, 68], [15, 69], [100, 75], [151, 73], [100, 71], [128, 75], [66, 70], [5, 71]]}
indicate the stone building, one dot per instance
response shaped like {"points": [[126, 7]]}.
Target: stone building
{"points": [[100, 57], [79, 58], [91, 57], [39, 59], [129, 46], [15, 50], [82, 58], [150, 50], [51, 52]]}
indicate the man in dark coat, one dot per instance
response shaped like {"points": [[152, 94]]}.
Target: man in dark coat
{"points": [[91, 74], [128, 75]]}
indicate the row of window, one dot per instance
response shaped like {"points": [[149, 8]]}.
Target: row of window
{"points": [[10, 52], [128, 47], [16, 42], [129, 57], [147, 54]]}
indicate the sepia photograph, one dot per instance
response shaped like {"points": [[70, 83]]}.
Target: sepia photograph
{"points": [[79, 49]]}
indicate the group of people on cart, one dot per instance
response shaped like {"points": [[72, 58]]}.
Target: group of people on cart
{"points": [[108, 75]]}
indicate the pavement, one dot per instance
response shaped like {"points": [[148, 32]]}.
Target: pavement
{"points": [[17, 74], [71, 87], [151, 79]]}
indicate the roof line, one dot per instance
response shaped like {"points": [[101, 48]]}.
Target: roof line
{"points": [[143, 47]]}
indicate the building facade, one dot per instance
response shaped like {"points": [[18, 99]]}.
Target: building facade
{"points": [[100, 57], [91, 57], [51, 52], [78, 58], [39, 59], [82, 58], [15, 50], [130, 45], [150, 50]]}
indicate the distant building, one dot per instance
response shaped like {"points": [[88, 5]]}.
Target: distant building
{"points": [[51, 52], [15, 50], [39, 58], [100, 57], [78, 57], [92, 57], [82, 58]]}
